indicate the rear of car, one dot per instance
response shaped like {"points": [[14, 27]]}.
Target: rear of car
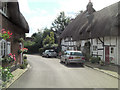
{"points": [[73, 57], [49, 53], [52, 53]]}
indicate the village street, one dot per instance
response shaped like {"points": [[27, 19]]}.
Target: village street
{"points": [[49, 73]]}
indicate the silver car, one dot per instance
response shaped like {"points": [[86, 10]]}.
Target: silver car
{"points": [[49, 53], [73, 57]]}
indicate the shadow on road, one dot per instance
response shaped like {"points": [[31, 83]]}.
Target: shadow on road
{"points": [[73, 65]]}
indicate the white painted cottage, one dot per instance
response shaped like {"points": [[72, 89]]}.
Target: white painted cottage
{"points": [[101, 29]]}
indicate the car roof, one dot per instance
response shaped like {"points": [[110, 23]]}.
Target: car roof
{"points": [[73, 51], [50, 50]]}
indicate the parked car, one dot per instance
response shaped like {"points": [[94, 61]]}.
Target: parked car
{"points": [[72, 57], [49, 53]]}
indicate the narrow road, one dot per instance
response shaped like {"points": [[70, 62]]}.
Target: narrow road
{"points": [[49, 73]]}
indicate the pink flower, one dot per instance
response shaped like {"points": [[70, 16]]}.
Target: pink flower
{"points": [[10, 54], [14, 59], [2, 30]]}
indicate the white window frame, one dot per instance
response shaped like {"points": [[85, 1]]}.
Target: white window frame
{"points": [[5, 48], [95, 47], [8, 48]]}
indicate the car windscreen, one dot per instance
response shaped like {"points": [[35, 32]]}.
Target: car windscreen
{"points": [[76, 53]]}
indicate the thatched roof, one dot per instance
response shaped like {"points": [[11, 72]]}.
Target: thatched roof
{"points": [[15, 16], [97, 24]]}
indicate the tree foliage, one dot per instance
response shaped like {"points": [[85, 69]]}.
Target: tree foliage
{"points": [[46, 40], [49, 37], [60, 23], [52, 38]]}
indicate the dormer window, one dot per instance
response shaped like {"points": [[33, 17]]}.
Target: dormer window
{"points": [[3, 8]]}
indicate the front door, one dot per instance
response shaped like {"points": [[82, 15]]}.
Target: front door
{"points": [[107, 54]]}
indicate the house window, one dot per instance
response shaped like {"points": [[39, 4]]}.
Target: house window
{"points": [[3, 8], [5, 48], [94, 48]]}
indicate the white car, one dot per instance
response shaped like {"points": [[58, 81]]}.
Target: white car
{"points": [[49, 53], [73, 57]]}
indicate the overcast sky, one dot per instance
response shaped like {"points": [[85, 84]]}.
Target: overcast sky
{"points": [[41, 13]]}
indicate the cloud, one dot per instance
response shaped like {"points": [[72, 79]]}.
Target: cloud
{"points": [[40, 21], [39, 17]]}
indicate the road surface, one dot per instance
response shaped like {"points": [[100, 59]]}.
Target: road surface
{"points": [[49, 73]]}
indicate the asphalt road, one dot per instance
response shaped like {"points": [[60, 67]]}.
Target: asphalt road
{"points": [[49, 73]]}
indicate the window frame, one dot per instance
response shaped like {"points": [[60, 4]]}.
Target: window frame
{"points": [[4, 47]]}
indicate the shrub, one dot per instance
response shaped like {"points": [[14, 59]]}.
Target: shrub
{"points": [[6, 74], [95, 59], [41, 50], [102, 63], [25, 62], [23, 66]]}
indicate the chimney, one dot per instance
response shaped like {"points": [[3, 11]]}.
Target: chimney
{"points": [[90, 8]]}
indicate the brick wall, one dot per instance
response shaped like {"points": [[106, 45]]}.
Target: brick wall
{"points": [[17, 33]]}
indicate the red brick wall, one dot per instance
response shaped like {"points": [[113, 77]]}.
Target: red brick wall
{"points": [[17, 33]]}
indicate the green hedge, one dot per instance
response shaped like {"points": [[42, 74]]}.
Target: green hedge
{"points": [[41, 50], [95, 59]]}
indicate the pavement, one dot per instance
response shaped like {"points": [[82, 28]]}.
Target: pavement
{"points": [[110, 69], [17, 74]]}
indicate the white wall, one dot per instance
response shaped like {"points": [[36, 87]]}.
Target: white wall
{"points": [[67, 44], [111, 42], [118, 50]]}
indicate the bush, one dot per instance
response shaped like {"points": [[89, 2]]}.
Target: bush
{"points": [[41, 50], [95, 59], [6, 74], [23, 66], [102, 63], [25, 62]]}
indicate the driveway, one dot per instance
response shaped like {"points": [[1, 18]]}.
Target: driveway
{"points": [[49, 73]]}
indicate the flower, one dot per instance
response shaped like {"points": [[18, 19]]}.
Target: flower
{"points": [[24, 49], [5, 34], [12, 57], [5, 69]]}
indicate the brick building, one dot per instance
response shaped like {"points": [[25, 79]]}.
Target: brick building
{"points": [[11, 19]]}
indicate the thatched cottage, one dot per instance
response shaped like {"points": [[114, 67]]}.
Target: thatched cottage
{"points": [[98, 31]]}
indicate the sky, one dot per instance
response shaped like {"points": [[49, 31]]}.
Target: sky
{"points": [[41, 13]]}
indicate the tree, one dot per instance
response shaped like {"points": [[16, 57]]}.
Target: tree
{"points": [[46, 32], [47, 40], [52, 38], [60, 23]]}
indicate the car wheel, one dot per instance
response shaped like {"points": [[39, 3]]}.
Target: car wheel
{"points": [[82, 64], [47, 56]]}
